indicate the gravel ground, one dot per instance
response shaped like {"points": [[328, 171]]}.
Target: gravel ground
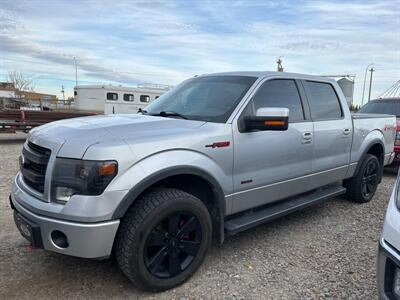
{"points": [[325, 251]]}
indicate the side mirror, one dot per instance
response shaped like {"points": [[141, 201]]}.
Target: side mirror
{"points": [[273, 118]]}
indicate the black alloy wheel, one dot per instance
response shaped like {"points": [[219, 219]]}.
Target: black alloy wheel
{"points": [[173, 244], [163, 239], [370, 179], [362, 186]]}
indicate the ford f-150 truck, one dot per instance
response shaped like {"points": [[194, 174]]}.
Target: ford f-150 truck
{"points": [[214, 156]]}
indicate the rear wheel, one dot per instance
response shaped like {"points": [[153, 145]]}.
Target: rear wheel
{"points": [[163, 239], [362, 187]]}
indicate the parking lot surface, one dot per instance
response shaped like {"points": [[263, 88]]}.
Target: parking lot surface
{"points": [[324, 251]]}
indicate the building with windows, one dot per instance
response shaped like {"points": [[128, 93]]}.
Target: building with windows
{"points": [[8, 94], [115, 99]]}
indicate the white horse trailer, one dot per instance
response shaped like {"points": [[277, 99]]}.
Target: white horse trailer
{"points": [[110, 99]]}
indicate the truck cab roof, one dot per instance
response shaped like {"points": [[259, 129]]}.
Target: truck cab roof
{"points": [[262, 74]]}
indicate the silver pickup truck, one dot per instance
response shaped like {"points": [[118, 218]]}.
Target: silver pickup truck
{"points": [[216, 155]]}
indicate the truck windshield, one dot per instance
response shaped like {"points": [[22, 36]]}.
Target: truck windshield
{"points": [[208, 98], [391, 107]]}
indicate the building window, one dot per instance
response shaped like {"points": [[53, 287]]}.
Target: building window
{"points": [[144, 98], [112, 96], [156, 97], [128, 97], [75, 93]]}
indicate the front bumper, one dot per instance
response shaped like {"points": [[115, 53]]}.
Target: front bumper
{"points": [[388, 262], [389, 249], [87, 240]]}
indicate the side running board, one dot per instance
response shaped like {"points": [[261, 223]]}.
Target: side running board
{"points": [[256, 217]]}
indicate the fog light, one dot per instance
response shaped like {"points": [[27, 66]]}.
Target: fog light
{"points": [[59, 239], [396, 282], [63, 193]]}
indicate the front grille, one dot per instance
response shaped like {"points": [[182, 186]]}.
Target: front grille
{"points": [[34, 164]]}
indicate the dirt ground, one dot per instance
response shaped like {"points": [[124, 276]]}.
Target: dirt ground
{"points": [[325, 251]]}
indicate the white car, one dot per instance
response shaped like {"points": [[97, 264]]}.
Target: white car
{"points": [[388, 267]]}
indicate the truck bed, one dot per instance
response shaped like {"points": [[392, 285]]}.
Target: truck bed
{"points": [[372, 126], [369, 116]]}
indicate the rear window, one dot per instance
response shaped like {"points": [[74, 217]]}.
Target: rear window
{"points": [[381, 107], [324, 103], [112, 96]]}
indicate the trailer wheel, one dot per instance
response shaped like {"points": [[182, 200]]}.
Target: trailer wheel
{"points": [[163, 239], [362, 187]]}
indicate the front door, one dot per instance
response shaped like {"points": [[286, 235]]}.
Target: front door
{"points": [[272, 165]]}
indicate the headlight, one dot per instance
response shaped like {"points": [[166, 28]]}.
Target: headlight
{"points": [[83, 177]]}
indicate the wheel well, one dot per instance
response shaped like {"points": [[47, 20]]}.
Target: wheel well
{"points": [[200, 188], [377, 150]]}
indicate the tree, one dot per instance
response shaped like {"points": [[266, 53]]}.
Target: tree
{"points": [[21, 81]]}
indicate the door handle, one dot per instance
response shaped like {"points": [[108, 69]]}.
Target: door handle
{"points": [[346, 131], [306, 138]]}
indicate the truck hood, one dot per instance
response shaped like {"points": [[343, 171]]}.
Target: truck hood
{"points": [[128, 126], [73, 137]]}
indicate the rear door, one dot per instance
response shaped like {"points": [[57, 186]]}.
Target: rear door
{"points": [[332, 133], [272, 165]]}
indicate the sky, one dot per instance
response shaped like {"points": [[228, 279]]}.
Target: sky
{"points": [[165, 42]]}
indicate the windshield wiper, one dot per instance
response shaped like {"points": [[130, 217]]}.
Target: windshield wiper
{"points": [[169, 114]]}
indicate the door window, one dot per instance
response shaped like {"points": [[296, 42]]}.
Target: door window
{"points": [[280, 93], [324, 103]]}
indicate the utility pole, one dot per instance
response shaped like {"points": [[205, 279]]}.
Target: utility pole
{"points": [[76, 72], [365, 79], [370, 83], [63, 93]]}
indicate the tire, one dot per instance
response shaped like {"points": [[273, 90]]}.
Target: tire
{"points": [[362, 187], [156, 245]]}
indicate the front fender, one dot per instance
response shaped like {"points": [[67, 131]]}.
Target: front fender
{"points": [[169, 163]]}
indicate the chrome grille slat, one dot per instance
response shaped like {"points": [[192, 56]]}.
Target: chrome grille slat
{"points": [[33, 168]]}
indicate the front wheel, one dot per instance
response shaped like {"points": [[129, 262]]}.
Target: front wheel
{"points": [[163, 239], [362, 187]]}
